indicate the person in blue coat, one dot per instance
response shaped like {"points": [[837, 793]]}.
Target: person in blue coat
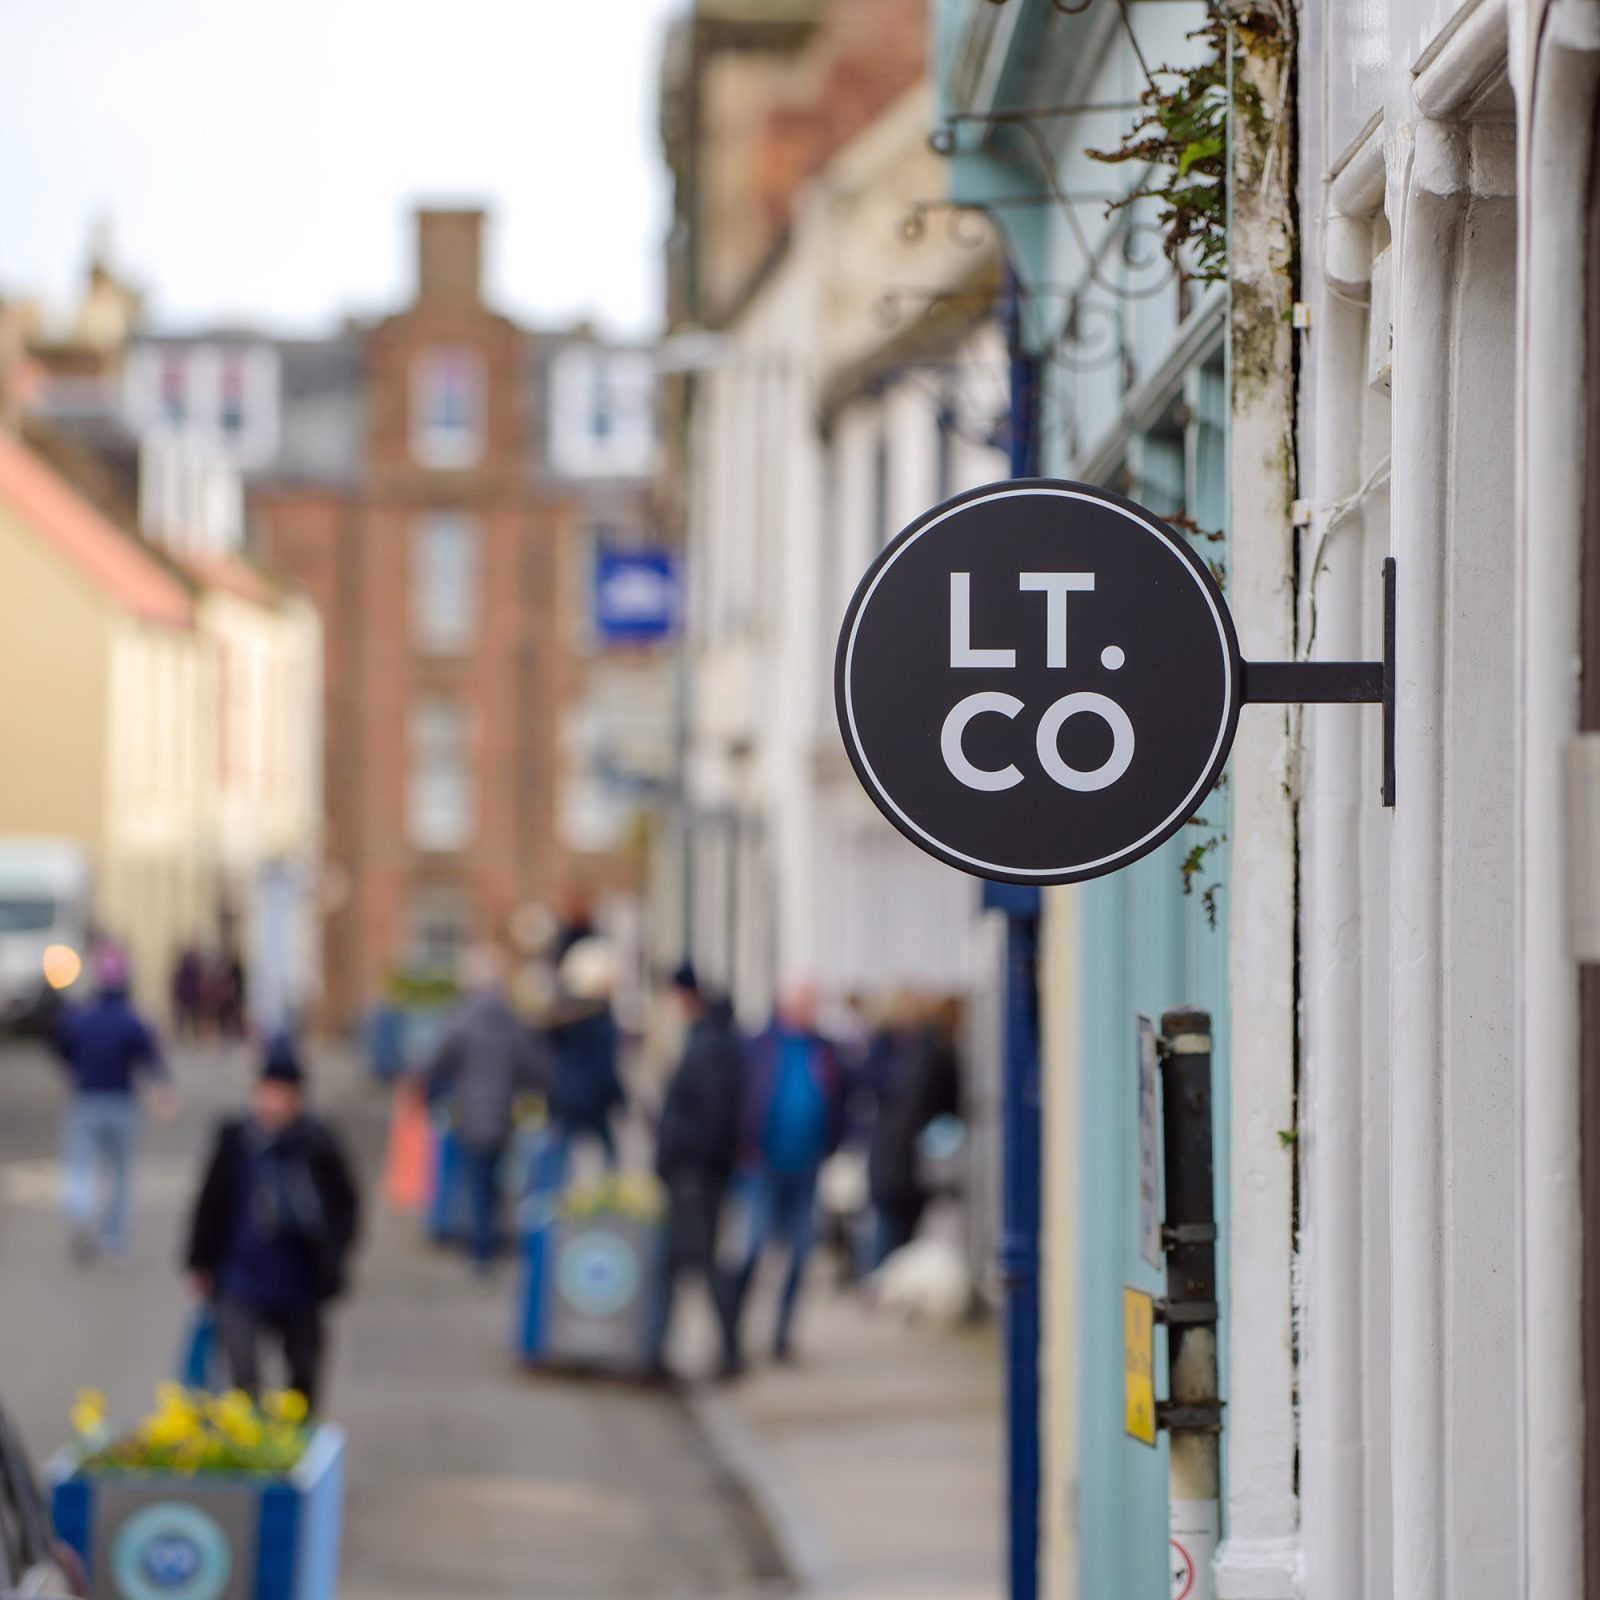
{"points": [[110, 1053], [794, 1120]]}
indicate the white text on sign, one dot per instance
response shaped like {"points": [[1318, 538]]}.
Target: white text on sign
{"points": [[1055, 586]]}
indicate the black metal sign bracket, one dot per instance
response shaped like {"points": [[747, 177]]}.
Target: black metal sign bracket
{"points": [[1336, 682]]}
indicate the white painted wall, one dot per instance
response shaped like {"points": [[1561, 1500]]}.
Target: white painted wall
{"points": [[1440, 1377]]}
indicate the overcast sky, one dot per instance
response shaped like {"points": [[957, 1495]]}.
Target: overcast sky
{"points": [[259, 158]]}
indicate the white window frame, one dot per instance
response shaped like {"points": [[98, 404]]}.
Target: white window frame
{"points": [[435, 629], [441, 799], [447, 446]]}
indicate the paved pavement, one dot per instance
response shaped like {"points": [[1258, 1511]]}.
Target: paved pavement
{"points": [[877, 1459], [467, 1478]]}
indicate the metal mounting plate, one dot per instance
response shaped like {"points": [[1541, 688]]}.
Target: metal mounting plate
{"points": [[1336, 682]]}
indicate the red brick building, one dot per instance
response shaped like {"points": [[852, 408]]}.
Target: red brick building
{"points": [[439, 568]]}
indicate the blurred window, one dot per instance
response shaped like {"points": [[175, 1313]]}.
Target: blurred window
{"points": [[439, 801], [447, 408], [880, 489], [600, 418], [446, 577], [27, 916], [441, 921], [174, 377], [944, 467], [231, 383]]}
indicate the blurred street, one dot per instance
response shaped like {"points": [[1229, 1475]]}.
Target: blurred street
{"points": [[466, 1476]]}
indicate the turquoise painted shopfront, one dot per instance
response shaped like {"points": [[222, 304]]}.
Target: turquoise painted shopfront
{"points": [[1131, 395]]}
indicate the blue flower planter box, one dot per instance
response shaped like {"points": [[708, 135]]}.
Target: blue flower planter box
{"points": [[588, 1289], [224, 1537]]}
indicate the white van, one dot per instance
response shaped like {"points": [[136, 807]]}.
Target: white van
{"points": [[44, 921]]}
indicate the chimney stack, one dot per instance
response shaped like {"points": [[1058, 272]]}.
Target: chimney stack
{"points": [[450, 256]]}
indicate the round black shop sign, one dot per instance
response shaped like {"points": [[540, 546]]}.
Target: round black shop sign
{"points": [[1038, 681]]}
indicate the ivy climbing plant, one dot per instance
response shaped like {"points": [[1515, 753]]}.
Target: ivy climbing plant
{"points": [[1181, 135]]}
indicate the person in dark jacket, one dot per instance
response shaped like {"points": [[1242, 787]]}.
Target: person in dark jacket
{"points": [[486, 1058], [272, 1229], [585, 1086], [697, 1145], [923, 1084], [110, 1051], [188, 992], [794, 1119]]}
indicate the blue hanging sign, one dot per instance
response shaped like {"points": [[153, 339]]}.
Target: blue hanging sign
{"points": [[635, 595]]}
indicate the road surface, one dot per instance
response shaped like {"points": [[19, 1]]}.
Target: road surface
{"points": [[467, 1477]]}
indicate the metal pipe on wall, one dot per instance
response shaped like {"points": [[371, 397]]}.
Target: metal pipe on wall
{"points": [[1023, 1130]]}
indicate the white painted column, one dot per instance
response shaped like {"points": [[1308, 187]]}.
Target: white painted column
{"points": [[1258, 1556], [1556, 147], [1428, 188], [1334, 576]]}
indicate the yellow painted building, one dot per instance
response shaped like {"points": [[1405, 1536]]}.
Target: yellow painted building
{"points": [[105, 724]]}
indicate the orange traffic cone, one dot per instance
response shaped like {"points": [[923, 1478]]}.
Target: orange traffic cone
{"points": [[407, 1177]]}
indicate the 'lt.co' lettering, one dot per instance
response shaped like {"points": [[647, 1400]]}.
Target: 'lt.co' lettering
{"points": [[1055, 586]]}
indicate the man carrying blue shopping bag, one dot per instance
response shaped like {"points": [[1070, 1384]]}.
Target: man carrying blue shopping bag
{"points": [[273, 1228], [197, 1359]]}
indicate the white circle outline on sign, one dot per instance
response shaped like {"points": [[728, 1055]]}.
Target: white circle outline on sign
{"points": [[1184, 808]]}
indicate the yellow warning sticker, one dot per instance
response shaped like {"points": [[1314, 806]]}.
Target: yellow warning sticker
{"points": [[1138, 1362]]}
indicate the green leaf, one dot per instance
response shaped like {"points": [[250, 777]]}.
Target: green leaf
{"points": [[1198, 150]]}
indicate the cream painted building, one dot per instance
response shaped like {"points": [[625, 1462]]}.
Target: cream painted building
{"points": [[262, 837], [829, 417], [264, 648]]}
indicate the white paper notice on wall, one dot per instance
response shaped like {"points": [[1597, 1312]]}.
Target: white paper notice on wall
{"points": [[1149, 1148], [1192, 1526], [1583, 845]]}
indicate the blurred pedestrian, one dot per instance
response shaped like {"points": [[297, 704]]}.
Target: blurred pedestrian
{"points": [[272, 1229], [794, 1118], [923, 1084], [697, 1145], [585, 1086], [109, 1050], [574, 923], [188, 992], [485, 1058], [230, 997]]}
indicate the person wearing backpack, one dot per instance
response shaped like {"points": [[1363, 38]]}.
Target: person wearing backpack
{"points": [[273, 1228], [794, 1121], [486, 1058]]}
